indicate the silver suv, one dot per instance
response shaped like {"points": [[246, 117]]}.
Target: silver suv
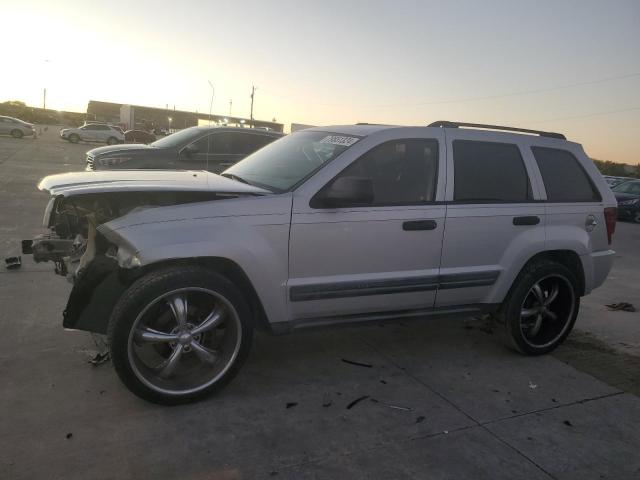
{"points": [[331, 225], [94, 132]]}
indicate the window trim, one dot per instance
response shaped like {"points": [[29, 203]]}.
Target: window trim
{"points": [[594, 188], [313, 202], [530, 194]]}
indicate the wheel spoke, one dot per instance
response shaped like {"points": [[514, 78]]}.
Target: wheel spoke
{"points": [[167, 368], [213, 320], [147, 334], [537, 291], [203, 353], [528, 312], [178, 305], [552, 295], [535, 328], [550, 314]]}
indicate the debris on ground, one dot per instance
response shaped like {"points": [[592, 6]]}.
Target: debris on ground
{"points": [[99, 358], [69, 435], [13, 263], [420, 419], [390, 405], [291, 404], [327, 403], [532, 385], [384, 382], [357, 364], [621, 306], [356, 401], [568, 423]]}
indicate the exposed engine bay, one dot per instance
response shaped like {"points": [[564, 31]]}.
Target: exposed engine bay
{"points": [[73, 241], [85, 257]]}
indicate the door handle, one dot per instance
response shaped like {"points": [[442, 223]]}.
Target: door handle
{"points": [[526, 220], [413, 225]]}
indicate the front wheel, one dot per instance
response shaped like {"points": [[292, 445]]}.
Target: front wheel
{"points": [[542, 307], [17, 133], [73, 138], [112, 141], [636, 216], [179, 334]]}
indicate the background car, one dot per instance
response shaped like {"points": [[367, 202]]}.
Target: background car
{"points": [[194, 148], [628, 197], [94, 132], [613, 181], [15, 127], [139, 136]]}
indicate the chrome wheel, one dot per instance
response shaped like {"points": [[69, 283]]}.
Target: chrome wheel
{"points": [[547, 310], [184, 341]]}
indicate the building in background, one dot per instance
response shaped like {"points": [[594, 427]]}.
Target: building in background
{"points": [[148, 118]]}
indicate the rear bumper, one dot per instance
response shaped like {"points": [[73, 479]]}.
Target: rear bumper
{"points": [[597, 266]]}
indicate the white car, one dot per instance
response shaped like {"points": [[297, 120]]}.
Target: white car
{"points": [[94, 132], [329, 225]]}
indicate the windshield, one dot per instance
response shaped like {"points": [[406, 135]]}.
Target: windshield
{"points": [[628, 187], [178, 139], [284, 163]]}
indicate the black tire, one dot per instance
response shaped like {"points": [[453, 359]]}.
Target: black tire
{"points": [[522, 300], [17, 133], [112, 141], [140, 297], [74, 138], [636, 216]]}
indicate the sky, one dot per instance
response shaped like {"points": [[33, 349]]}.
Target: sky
{"points": [[561, 65]]}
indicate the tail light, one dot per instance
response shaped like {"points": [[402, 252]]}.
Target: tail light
{"points": [[610, 217]]}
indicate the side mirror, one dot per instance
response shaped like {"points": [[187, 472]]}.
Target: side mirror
{"points": [[190, 149], [345, 191]]}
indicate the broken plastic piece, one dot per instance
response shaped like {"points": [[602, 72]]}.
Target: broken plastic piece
{"points": [[624, 306], [356, 401], [99, 359], [358, 364], [13, 263]]}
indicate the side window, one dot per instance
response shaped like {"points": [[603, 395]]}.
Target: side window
{"points": [[220, 144], [488, 172], [564, 178], [205, 143], [403, 172], [245, 144]]}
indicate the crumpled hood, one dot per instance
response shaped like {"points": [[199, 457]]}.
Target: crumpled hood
{"points": [[103, 181]]}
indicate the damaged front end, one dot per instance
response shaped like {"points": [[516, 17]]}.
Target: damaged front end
{"points": [[102, 268]]}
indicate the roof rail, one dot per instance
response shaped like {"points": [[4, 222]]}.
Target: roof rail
{"points": [[447, 124]]}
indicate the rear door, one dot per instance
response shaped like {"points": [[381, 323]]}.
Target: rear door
{"points": [[385, 256], [494, 212]]}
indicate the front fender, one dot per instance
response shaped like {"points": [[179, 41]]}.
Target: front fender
{"points": [[257, 244]]}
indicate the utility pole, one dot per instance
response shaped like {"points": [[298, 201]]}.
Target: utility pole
{"points": [[44, 99], [211, 104], [253, 91]]}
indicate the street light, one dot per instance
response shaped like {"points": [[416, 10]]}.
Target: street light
{"points": [[211, 104], [169, 118]]}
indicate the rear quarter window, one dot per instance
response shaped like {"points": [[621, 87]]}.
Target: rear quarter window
{"points": [[565, 180]]}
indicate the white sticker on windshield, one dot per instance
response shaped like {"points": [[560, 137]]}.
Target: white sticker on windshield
{"points": [[339, 140]]}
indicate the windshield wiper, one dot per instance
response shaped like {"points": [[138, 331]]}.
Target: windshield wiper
{"points": [[236, 178]]}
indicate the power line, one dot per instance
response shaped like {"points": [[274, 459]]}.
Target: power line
{"points": [[478, 98], [587, 115]]}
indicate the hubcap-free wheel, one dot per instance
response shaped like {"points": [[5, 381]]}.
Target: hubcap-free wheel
{"points": [[547, 311], [111, 141], [184, 341], [17, 133], [73, 138], [636, 216]]}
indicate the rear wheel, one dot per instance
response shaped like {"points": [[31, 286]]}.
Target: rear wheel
{"points": [[17, 133], [541, 308], [179, 334], [636, 216], [112, 141], [74, 138]]}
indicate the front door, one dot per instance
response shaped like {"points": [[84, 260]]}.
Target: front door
{"points": [[382, 257]]}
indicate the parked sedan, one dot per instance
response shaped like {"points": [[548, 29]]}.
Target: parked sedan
{"points": [[94, 132], [139, 136], [195, 148], [15, 127], [628, 197]]}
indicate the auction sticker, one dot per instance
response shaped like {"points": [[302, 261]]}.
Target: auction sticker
{"points": [[340, 140]]}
